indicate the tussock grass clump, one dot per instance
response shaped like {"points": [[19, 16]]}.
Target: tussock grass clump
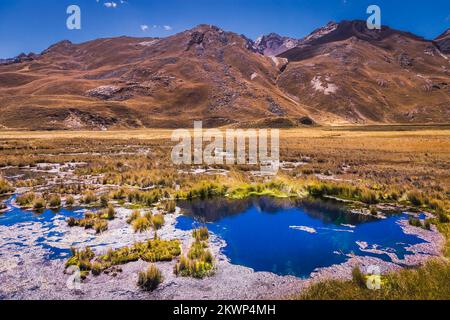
{"points": [[5, 186], [169, 206], [147, 198], [199, 261], [70, 201], [141, 224], [97, 221], [26, 199], [429, 282], [100, 225], [157, 221], [39, 204], [89, 197], [416, 198], [358, 277], [150, 279], [416, 222], [108, 213], [443, 217], [54, 201], [81, 259], [201, 234], [104, 200], [133, 216]]}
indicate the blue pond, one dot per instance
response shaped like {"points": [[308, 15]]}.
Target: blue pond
{"points": [[48, 220], [294, 237]]}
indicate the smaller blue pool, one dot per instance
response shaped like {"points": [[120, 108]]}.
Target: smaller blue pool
{"points": [[47, 219], [294, 237]]}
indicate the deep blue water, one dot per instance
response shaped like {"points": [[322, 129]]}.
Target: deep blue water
{"points": [[262, 233], [48, 220]]}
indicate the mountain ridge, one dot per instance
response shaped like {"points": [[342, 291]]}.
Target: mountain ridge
{"points": [[341, 73]]}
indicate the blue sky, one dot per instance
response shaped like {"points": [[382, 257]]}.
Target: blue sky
{"points": [[27, 25]]}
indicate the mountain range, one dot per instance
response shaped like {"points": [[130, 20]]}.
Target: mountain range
{"points": [[342, 73]]}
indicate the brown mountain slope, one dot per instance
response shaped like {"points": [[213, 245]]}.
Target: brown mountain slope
{"points": [[443, 42], [341, 73], [364, 76], [204, 73]]}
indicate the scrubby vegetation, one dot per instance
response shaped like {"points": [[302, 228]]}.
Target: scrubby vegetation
{"points": [[200, 234], [97, 221], [150, 279], [89, 197], [273, 188], [429, 282], [25, 200], [199, 261], [5, 186], [54, 201], [203, 190], [39, 204], [407, 169], [149, 251], [141, 223]]}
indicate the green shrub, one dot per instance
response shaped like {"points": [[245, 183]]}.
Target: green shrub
{"points": [[150, 279]]}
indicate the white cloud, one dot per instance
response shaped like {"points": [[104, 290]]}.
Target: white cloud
{"points": [[110, 4], [167, 28], [144, 27]]}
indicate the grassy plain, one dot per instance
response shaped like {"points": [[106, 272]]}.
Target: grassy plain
{"points": [[407, 165]]}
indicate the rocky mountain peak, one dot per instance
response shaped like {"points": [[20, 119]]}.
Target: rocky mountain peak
{"points": [[273, 44]]}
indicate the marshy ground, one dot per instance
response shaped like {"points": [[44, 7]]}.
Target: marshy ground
{"points": [[375, 169]]}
